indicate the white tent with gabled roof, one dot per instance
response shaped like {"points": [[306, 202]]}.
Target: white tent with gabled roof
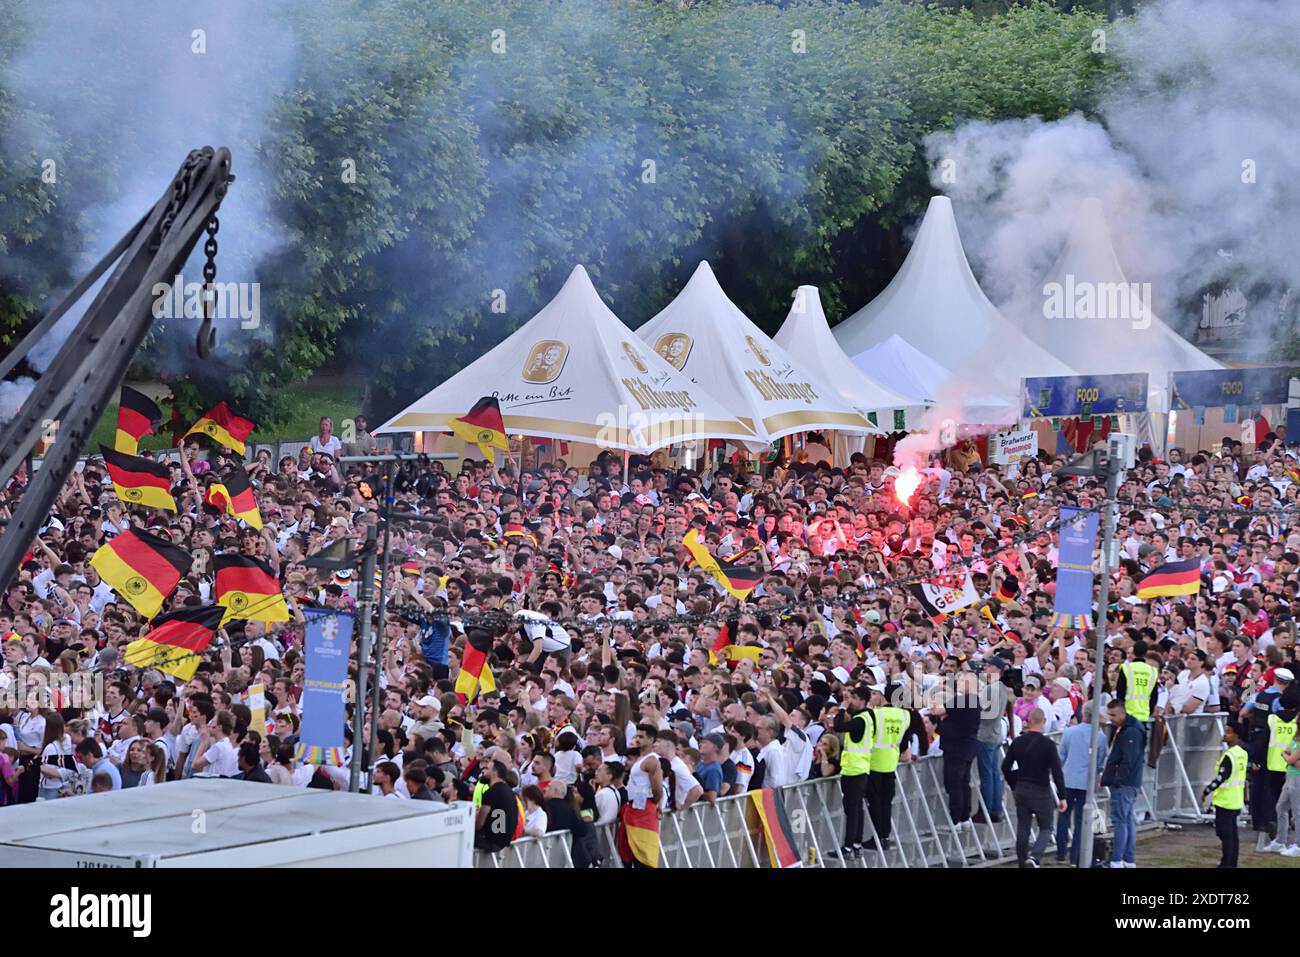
{"points": [[707, 337], [806, 335], [935, 304], [1088, 314], [575, 372]]}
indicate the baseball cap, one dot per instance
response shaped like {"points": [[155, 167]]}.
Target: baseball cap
{"points": [[1062, 683], [428, 701], [872, 616], [1283, 674], [840, 674], [1035, 680], [615, 552]]}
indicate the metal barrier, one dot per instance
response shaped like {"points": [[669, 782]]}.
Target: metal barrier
{"points": [[724, 835]]}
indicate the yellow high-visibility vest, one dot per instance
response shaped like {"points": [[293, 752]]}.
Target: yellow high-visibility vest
{"points": [[1231, 794], [1139, 680], [891, 725], [1280, 734], [855, 757], [480, 788]]}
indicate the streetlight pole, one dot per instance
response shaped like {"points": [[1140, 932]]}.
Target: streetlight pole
{"points": [[1113, 467], [365, 599]]}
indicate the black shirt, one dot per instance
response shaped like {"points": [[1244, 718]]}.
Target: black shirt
{"points": [[502, 819], [1035, 761]]}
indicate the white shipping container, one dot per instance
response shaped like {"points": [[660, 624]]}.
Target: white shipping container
{"points": [[212, 822]]}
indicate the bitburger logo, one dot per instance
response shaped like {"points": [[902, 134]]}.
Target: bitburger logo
{"points": [[545, 361], [759, 354], [675, 348]]}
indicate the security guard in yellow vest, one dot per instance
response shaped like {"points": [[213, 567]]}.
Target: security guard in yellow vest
{"points": [[857, 726], [1229, 788], [891, 727], [1281, 732], [1137, 684]]}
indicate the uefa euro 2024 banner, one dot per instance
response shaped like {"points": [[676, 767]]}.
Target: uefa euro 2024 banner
{"points": [[1073, 607], [329, 645]]}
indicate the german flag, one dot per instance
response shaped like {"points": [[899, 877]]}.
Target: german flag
{"points": [[137, 416], [475, 676], [248, 589], [1172, 578], [1008, 590], [738, 653], [775, 825], [483, 426], [139, 481], [637, 836], [719, 643], [224, 427], [411, 568], [142, 568], [738, 580], [235, 497], [515, 530], [176, 642]]}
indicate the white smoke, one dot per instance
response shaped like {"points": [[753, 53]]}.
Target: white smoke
{"points": [[1193, 160]]}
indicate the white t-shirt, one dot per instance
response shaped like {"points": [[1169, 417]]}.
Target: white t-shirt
{"points": [[221, 760], [685, 783], [798, 753], [777, 770], [1186, 688], [567, 764], [331, 445]]}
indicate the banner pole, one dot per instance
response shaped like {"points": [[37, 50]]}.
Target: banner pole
{"points": [[365, 601], [1114, 471]]}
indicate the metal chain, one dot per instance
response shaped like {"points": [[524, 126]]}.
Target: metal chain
{"points": [[210, 251], [181, 186]]}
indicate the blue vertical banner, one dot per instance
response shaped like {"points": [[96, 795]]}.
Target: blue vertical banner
{"points": [[1073, 607], [329, 646]]}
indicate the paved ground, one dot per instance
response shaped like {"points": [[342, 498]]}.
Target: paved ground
{"points": [[1193, 845]]}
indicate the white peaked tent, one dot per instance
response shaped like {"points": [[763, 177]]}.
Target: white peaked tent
{"points": [[575, 372], [806, 335], [1089, 315], [935, 305], [905, 368], [707, 337]]}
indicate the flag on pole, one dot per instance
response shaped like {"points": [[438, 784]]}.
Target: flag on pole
{"points": [[483, 426], [738, 580], [142, 568], [234, 496], [475, 674], [139, 481], [137, 416], [224, 427], [248, 589], [942, 596], [176, 642]]}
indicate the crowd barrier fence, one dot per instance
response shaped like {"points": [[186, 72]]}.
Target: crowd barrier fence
{"points": [[724, 835]]}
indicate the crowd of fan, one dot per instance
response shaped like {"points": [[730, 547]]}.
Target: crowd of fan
{"points": [[616, 659]]}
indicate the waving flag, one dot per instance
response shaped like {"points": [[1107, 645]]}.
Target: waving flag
{"points": [[139, 481], [137, 416], [224, 427], [247, 589], [235, 497], [775, 825], [482, 426], [1171, 578], [475, 675], [176, 642], [142, 568], [738, 580]]}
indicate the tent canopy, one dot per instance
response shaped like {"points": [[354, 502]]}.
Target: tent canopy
{"points": [[708, 338], [903, 367], [575, 372], [806, 335], [935, 305], [1090, 316]]}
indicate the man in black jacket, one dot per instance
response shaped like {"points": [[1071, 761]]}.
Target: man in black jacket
{"points": [[958, 739], [1122, 773], [1031, 765], [250, 764]]}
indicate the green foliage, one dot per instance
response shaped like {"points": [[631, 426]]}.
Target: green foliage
{"points": [[786, 143]]}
